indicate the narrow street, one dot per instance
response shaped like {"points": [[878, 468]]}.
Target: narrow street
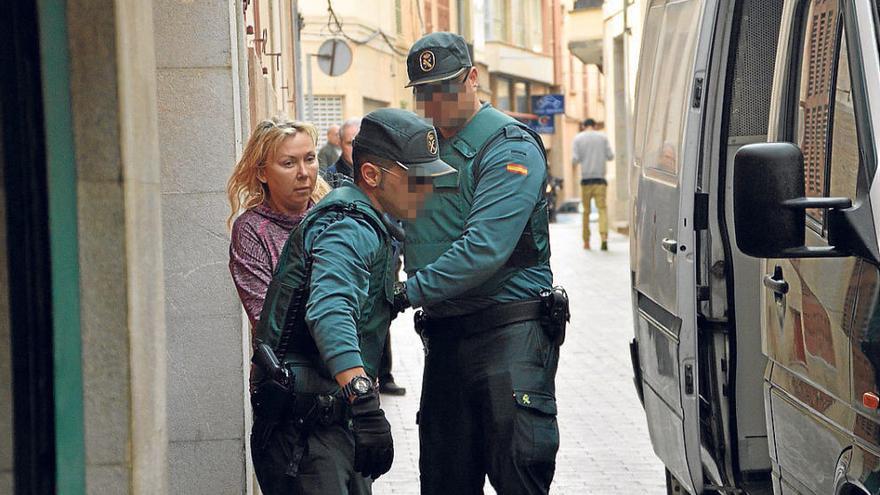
{"points": [[605, 447]]}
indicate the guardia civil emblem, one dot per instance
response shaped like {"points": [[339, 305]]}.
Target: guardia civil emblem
{"points": [[432, 142], [426, 61]]}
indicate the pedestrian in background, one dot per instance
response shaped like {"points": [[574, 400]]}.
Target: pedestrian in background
{"points": [[276, 182], [327, 314], [590, 150], [478, 261], [343, 169], [329, 153]]}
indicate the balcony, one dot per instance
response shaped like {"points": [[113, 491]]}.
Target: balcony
{"points": [[525, 64], [587, 4], [585, 27]]}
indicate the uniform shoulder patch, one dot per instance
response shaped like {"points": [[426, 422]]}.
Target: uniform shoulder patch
{"points": [[516, 168]]}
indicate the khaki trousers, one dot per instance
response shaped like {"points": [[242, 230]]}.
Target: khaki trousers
{"points": [[595, 192]]}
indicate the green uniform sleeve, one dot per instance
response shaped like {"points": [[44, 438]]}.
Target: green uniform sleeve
{"points": [[507, 190], [342, 252]]}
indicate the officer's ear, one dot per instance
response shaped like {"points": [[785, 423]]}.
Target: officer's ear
{"points": [[370, 174], [472, 78]]}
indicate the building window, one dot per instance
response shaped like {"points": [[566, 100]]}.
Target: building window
{"points": [[520, 23], [496, 20], [512, 95], [535, 23], [520, 97], [443, 15], [327, 111], [428, 10], [502, 94], [464, 19]]}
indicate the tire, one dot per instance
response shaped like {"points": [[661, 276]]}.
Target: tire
{"points": [[672, 485]]}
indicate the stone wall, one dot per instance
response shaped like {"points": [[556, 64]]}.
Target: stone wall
{"points": [[200, 97], [113, 93]]}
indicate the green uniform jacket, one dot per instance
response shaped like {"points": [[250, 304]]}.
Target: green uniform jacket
{"points": [[334, 286], [483, 237]]}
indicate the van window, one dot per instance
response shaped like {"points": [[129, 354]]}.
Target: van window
{"points": [[844, 140], [645, 78], [814, 101], [825, 129], [670, 87]]}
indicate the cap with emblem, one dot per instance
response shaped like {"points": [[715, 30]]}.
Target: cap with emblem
{"points": [[437, 57], [404, 137]]}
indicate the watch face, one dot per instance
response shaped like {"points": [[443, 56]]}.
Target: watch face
{"points": [[361, 385]]}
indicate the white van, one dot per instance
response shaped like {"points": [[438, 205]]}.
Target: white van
{"points": [[755, 260]]}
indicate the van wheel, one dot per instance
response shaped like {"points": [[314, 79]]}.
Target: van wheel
{"points": [[673, 487]]}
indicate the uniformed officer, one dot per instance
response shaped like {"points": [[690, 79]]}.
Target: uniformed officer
{"points": [[319, 427], [478, 263]]}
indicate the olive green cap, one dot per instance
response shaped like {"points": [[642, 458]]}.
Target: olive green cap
{"points": [[437, 57], [404, 137]]}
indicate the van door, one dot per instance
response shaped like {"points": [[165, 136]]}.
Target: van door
{"points": [[665, 166], [810, 304]]}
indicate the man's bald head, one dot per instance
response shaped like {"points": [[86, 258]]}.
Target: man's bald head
{"points": [[333, 135]]}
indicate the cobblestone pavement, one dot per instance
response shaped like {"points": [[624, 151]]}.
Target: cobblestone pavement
{"points": [[605, 447]]}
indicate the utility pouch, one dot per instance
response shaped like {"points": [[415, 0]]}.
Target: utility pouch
{"points": [[556, 313]]}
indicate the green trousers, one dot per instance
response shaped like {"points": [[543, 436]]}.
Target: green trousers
{"points": [[488, 408]]}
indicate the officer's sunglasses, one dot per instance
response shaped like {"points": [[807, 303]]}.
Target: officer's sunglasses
{"points": [[411, 179], [425, 92]]}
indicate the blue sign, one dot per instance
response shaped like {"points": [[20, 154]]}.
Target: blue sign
{"points": [[544, 124], [548, 104]]}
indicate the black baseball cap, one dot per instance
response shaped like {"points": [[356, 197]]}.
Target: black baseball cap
{"points": [[437, 57], [404, 137]]}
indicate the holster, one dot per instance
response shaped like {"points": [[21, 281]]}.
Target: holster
{"points": [[272, 400], [556, 314], [420, 321]]}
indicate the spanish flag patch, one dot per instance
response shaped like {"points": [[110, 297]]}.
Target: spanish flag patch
{"points": [[516, 168]]}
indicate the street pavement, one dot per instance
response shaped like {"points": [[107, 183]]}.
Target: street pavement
{"points": [[604, 448]]}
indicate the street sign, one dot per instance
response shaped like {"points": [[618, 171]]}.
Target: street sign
{"points": [[544, 124], [548, 104], [334, 57]]}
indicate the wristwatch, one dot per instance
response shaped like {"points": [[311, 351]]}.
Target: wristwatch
{"points": [[359, 386]]}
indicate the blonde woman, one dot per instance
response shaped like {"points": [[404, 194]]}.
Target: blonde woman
{"points": [[276, 182]]}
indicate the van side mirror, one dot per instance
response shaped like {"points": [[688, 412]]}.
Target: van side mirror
{"points": [[769, 205]]}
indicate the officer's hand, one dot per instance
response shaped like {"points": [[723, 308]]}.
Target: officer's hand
{"points": [[401, 300], [373, 445]]}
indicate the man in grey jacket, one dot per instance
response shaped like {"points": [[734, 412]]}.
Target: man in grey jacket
{"points": [[590, 150]]}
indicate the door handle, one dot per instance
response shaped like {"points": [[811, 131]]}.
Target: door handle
{"points": [[670, 245], [776, 283]]}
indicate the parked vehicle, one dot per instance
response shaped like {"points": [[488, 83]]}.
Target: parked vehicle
{"points": [[754, 248]]}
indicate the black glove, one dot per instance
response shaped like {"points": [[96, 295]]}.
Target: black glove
{"points": [[401, 300], [373, 445]]}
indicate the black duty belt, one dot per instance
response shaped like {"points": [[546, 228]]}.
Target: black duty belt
{"points": [[489, 318], [320, 409]]}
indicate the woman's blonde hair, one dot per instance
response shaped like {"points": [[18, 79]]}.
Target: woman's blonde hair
{"points": [[244, 188]]}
